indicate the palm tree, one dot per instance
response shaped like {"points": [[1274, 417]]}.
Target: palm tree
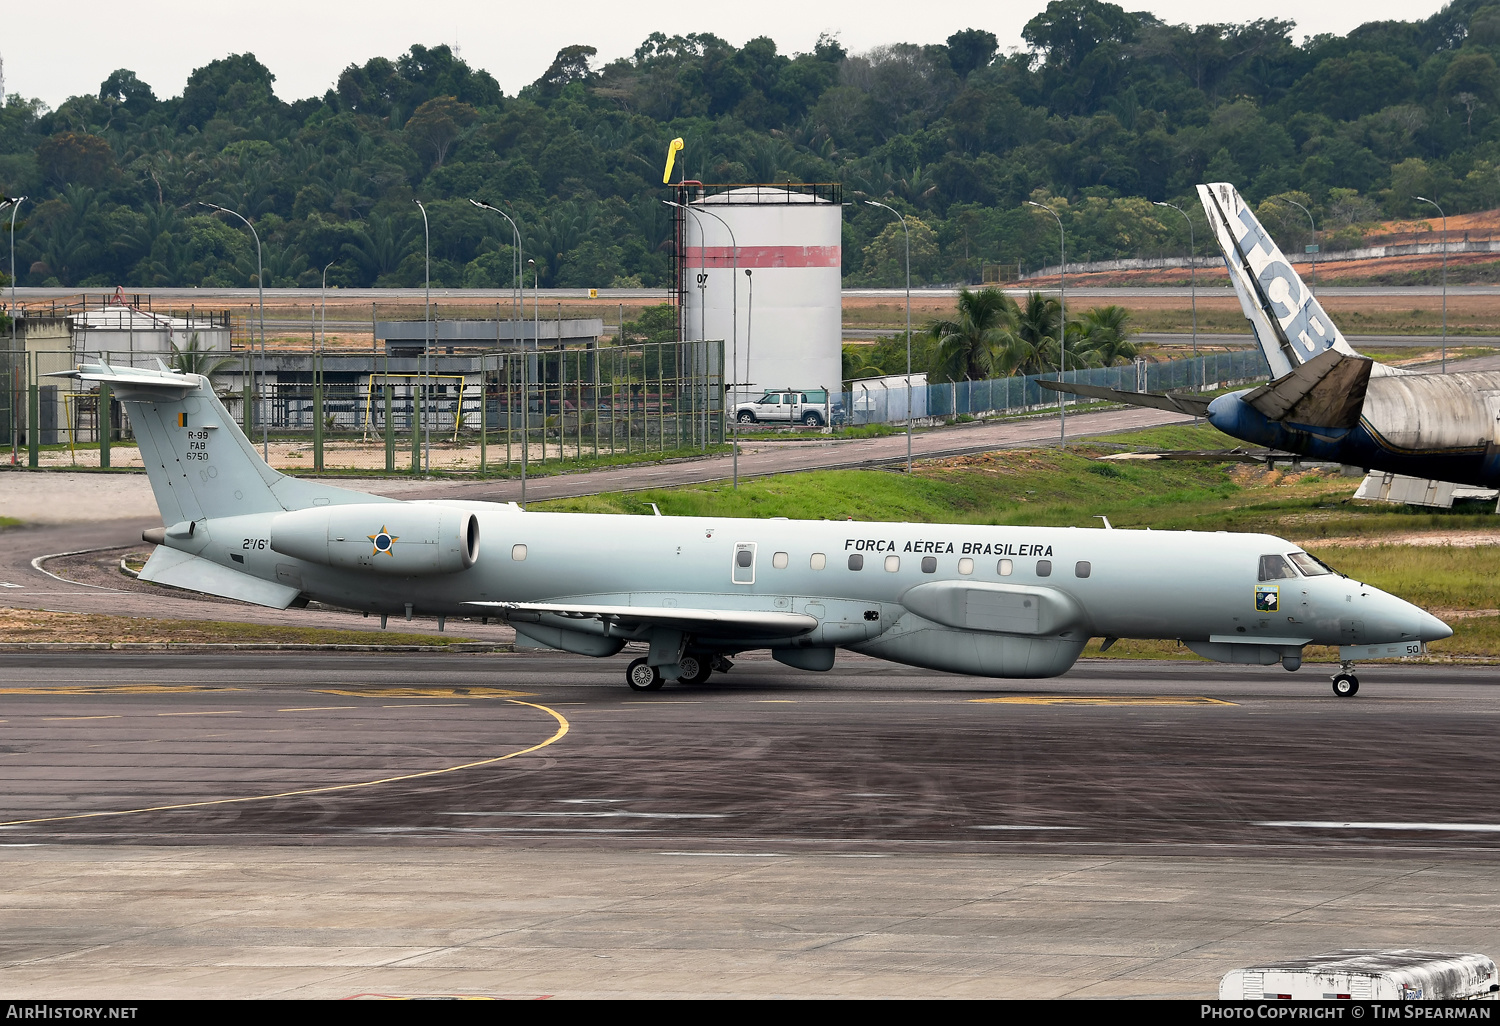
{"points": [[1031, 347], [971, 346], [1105, 335], [194, 359]]}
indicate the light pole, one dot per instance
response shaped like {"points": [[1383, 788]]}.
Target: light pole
{"points": [[1062, 327], [516, 282], [323, 308], [260, 288], [1424, 199], [515, 261], [426, 344], [734, 280], [15, 422], [1192, 282], [536, 291], [1314, 253], [908, 326]]}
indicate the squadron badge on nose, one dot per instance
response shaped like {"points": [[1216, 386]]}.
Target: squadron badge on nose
{"points": [[383, 542], [1267, 598]]}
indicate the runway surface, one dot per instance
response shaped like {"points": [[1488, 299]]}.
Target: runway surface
{"points": [[525, 825], [1114, 758]]}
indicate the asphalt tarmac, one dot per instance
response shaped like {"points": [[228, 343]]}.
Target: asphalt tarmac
{"points": [[524, 824]]}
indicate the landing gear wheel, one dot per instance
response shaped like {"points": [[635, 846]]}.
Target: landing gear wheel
{"points": [[641, 677], [694, 670], [1346, 685]]}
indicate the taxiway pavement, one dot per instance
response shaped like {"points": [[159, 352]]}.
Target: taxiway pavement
{"points": [[525, 825]]}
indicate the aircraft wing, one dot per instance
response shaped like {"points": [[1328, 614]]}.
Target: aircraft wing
{"points": [[1327, 391], [721, 621], [1192, 405]]}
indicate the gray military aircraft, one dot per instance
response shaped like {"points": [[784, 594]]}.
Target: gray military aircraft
{"points": [[989, 601], [1324, 399]]}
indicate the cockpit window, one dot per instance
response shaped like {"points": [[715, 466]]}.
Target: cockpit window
{"points": [[1275, 568], [1312, 566]]}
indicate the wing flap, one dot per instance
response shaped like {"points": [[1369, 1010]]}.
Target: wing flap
{"points": [[1192, 405], [1327, 391], [688, 619]]}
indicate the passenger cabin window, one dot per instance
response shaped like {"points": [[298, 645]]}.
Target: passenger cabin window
{"points": [[518, 553], [929, 564], [779, 560], [1005, 568], [1312, 566], [1044, 568], [818, 561], [856, 561], [892, 564], [1275, 568], [966, 566], [1082, 568]]}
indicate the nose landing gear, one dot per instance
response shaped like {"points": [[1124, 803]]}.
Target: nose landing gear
{"points": [[1345, 683]]}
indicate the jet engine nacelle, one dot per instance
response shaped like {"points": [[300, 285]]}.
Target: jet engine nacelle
{"points": [[401, 539]]}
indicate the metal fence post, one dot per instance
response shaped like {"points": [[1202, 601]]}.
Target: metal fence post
{"points": [[106, 424]]}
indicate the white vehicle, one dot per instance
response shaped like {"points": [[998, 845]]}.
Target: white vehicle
{"points": [[1363, 974], [788, 406]]}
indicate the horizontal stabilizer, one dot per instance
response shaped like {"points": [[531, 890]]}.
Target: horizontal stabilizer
{"points": [[1416, 491], [1327, 391], [184, 570], [1192, 405], [740, 621], [134, 379]]}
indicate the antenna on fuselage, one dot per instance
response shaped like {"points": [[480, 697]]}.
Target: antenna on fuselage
{"points": [[1107, 525]]}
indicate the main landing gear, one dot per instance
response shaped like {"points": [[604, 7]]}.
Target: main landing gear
{"points": [[691, 670], [1345, 683]]}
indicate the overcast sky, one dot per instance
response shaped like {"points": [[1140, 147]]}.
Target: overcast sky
{"points": [[56, 52]]}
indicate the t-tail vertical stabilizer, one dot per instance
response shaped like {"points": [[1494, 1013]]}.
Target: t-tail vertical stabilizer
{"points": [[1289, 322], [201, 465]]}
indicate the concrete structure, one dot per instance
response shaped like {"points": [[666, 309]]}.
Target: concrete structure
{"points": [[788, 236], [138, 338], [405, 338]]}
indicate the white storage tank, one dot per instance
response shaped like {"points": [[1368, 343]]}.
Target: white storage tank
{"points": [[1364, 974], [789, 237]]}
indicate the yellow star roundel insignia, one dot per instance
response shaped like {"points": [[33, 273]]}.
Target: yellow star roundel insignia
{"points": [[383, 542]]}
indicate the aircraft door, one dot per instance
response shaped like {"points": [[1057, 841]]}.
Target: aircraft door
{"points": [[743, 571]]}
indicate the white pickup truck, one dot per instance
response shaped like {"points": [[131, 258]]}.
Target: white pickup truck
{"points": [[787, 406]]}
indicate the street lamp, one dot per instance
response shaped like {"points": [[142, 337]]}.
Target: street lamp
{"points": [[734, 281], [426, 344], [323, 308], [1062, 328], [536, 292], [908, 326], [515, 261], [1192, 282], [15, 423], [1314, 253], [260, 288], [516, 282], [1424, 199]]}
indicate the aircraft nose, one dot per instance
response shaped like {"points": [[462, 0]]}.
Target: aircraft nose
{"points": [[1430, 628]]}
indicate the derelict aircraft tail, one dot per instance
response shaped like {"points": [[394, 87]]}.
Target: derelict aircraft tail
{"points": [[1290, 324]]}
